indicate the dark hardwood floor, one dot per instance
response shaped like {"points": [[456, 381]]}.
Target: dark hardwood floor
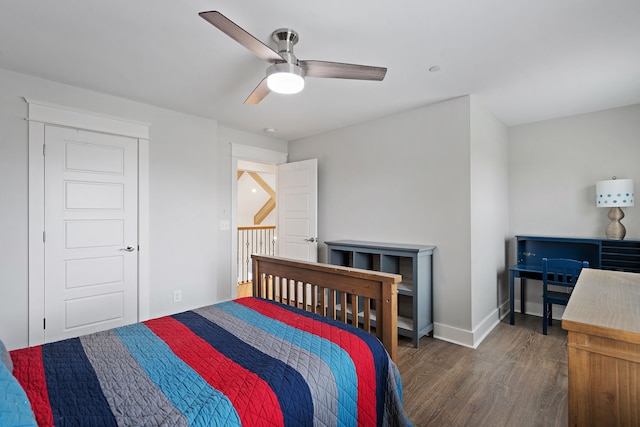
{"points": [[516, 377]]}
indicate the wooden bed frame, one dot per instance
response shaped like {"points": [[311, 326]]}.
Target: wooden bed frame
{"points": [[324, 289]]}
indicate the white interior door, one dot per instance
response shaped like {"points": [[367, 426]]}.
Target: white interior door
{"points": [[298, 210], [91, 214]]}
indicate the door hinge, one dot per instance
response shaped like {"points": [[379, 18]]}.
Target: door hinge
{"points": [[44, 237], [44, 150], [44, 323]]}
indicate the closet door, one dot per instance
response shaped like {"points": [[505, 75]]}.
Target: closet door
{"points": [[91, 232]]}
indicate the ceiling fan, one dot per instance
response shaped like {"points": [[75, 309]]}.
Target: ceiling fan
{"points": [[287, 73]]}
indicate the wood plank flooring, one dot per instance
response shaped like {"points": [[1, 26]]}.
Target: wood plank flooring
{"points": [[516, 377]]}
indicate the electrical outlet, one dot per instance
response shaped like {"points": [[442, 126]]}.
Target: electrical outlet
{"points": [[177, 296], [224, 225]]}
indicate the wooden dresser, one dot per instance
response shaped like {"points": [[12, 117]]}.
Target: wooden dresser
{"points": [[603, 324]]}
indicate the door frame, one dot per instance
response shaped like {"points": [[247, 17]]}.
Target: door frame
{"points": [[39, 115], [251, 154]]}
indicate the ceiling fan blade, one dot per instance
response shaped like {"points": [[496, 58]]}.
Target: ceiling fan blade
{"points": [[228, 27], [339, 70], [258, 93]]}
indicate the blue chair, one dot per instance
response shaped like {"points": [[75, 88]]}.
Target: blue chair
{"points": [[558, 272]]}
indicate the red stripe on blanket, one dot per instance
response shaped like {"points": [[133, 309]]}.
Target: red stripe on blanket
{"points": [[29, 371], [246, 391], [357, 349]]}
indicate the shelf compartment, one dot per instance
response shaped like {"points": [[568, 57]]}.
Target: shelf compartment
{"points": [[624, 256], [405, 306], [365, 260], [341, 258]]}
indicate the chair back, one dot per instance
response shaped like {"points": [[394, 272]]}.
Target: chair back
{"points": [[561, 271]]}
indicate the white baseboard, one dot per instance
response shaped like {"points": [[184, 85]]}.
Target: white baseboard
{"points": [[535, 309], [504, 309], [473, 338], [486, 326], [453, 335], [464, 337]]}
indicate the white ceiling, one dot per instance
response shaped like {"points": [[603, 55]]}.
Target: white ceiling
{"points": [[527, 60]]}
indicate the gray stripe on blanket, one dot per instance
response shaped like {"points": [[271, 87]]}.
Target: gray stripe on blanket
{"points": [[394, 416], [313, 369], [134, 399]]}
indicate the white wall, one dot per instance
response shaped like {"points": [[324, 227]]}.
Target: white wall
{"points": [[553, 169], [182, 196], [489, 219], [434, 175], [405, 179]]}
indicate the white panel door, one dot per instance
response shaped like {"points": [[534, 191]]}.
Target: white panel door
{"points": [[91, 202], [297, 210]]}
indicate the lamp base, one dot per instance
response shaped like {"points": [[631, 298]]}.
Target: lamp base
{"points": [[615, 229]]}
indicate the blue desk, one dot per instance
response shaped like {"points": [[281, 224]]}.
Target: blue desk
{"points": [[620, 255]]}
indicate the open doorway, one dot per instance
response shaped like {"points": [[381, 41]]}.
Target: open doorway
{"points": [[256, 217], [295, 232]]}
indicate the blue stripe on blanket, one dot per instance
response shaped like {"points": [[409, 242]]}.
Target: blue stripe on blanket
{"points": [[335, 357], [296, 412], [377, 350], [187, 390], [318, 376], [65, 365]]}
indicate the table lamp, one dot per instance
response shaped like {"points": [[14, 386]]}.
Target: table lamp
{"points": [[615, 194]]}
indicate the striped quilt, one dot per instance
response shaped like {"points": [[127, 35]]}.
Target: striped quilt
{"points": [[248, 362]]}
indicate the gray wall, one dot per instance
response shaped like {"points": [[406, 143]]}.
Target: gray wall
{"points": [[183, 182], [407, 178], [553, 169]]}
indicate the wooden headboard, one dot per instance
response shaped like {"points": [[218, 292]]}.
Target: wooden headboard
{"points": [[325, 289]]}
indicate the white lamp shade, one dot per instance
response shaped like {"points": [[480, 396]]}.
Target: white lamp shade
{"points": [[614, 192], [285, 78]]}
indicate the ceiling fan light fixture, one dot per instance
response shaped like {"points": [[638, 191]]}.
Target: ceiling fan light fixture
{"points": [[286, 74], [285, 78]]}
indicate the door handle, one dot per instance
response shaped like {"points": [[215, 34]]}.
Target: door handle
{"points": [[311, 239], [128, 249]]}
